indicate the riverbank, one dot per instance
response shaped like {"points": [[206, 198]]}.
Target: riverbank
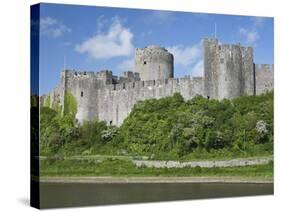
{"points": [[126, 168], [143, 161], [204, 164], [106, 179]]}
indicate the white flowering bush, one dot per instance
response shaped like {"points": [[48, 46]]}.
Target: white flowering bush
{"points": [[261, 127]]}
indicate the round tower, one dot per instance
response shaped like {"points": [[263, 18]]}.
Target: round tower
{"points": [[153, 63]]}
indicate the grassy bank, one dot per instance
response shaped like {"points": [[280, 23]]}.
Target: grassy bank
{"points": [[125, 168]]}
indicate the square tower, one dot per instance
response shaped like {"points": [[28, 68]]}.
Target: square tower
{"points": [[228, 70]]}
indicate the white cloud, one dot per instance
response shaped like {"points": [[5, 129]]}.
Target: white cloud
{"points": [[189, 58], [198, 68], [117, 41], [127, 64], [101, 23], [186, 55], [52, 27], [251, 34]]}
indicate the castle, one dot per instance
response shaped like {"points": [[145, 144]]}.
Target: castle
{"points": [[229, 72]]}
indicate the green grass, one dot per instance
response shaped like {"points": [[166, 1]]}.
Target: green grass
{"points": [[139, 157], [223, 154], [115, 167]]}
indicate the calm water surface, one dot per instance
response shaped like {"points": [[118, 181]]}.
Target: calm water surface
{"points": [[86, 194]]}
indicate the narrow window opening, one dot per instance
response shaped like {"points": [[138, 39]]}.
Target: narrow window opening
{"points": [[124, 85], [142, 83], [154, 82], [110, 123], [144, 62], [114, 87], [133, 85], [82, 94], [208, 97], [75, 73]]}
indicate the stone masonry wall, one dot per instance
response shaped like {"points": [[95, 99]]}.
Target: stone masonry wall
{"points": [[84, 87], [211, 69], [117, 101], [264, 78], [248, 76], [153, 63], [113, 102], [228, 70]]}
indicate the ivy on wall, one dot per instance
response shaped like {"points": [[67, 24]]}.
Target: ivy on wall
{"points": [[70, 104], [47, 102]]}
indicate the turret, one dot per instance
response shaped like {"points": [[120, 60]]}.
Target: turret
{"points": [[153, 63]]}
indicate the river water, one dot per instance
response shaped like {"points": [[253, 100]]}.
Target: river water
{"points": [[55, 195]]}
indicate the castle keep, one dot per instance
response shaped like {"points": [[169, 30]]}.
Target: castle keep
{"points": [[229, 72]]}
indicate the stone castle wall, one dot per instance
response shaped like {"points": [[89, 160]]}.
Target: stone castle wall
{"points": [[264, 75], [117, 101], [229, 72], [113, 102]]}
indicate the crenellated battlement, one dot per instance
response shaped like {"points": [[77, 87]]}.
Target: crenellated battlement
{"points": [[78, 75], [211, 40], [152, 49], [103, 76], [134, 85], [234, 47]]}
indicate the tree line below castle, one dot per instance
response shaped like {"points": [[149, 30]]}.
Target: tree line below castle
{"points": [[167, 129]]}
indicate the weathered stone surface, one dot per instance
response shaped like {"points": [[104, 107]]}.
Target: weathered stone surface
{"points": [[264, 78], [153, 63], [228, 70]]}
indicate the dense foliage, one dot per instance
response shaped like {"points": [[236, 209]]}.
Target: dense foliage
{"points": [[168, 128]]}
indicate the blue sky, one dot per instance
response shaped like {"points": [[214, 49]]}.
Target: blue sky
{"points": [[97, 38]]}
